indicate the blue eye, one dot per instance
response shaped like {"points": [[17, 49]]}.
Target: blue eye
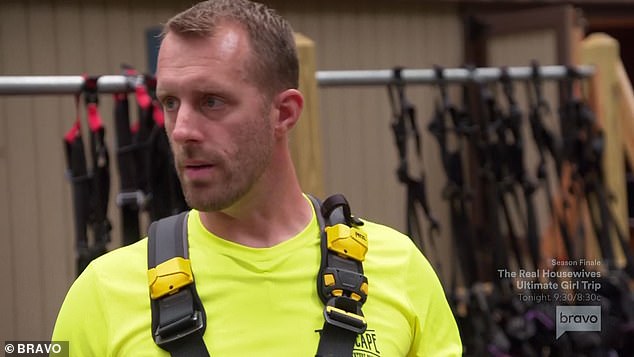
{"points": [[170, 104], [212, 102]]}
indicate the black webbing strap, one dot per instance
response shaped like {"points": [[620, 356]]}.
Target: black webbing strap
{"points": [[90, 182], [130, 197], [178, 318], [344, 296], [404, 125], [80, 187]]}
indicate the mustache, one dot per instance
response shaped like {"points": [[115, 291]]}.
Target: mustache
{"points": [[188, 155]]}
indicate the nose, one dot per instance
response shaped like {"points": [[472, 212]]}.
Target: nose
{"points": [[185, 125]]}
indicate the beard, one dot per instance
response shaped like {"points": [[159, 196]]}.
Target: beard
{"points": [[232, 175]]}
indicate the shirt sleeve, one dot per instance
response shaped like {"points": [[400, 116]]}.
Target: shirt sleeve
{"points": [[81, 319], [435, 330]]}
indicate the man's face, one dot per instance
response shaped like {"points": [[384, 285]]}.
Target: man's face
{"points": [[217, 120]]}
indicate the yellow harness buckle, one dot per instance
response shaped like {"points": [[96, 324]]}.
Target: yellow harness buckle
{"points": [[345, 319], [169, 276], [349, 242]]}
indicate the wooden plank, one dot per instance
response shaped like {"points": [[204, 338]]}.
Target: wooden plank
{"points": [[602, 51], [119, 29], [94, 37], [627, 122], [100, 58], [349, 120], [49, 164], [21, 157], [68, 29], [377, 140], [374, 140], [7, 299], [627, 111], [118, 25], [305, 140], [141, 19], [332, 103]]}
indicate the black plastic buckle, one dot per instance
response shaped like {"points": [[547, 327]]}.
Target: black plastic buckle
{"points": [[179, 329], [90, 90], [126, 198], [337, 314], [345, 280]]}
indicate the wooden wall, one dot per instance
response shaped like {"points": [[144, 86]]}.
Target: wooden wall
{"points": [[74, 37]]}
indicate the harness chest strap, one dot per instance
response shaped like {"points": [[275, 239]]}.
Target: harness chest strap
{"points": [[178, 316]]}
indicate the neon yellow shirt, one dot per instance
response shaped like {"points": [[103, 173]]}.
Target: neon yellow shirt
{"points": [[262, 302]]}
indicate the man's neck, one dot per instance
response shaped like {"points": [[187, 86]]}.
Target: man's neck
{"points": [[274, 211]]}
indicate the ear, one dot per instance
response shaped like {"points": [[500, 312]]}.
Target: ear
{"points": [[288, 105]]}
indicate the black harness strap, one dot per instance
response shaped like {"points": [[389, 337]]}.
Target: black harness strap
{"points": [[512, 125], [130, 197], [341, 284], [90, 185], [100, 172], [80, 185], [178, 315], [455, 192], [404, 125], [547, 144]]}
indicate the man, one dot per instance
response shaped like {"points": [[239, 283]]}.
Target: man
{"points": [[227, 78]]}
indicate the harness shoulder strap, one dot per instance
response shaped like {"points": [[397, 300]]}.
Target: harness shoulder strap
{"points": [[341, 285], [178, 316]]}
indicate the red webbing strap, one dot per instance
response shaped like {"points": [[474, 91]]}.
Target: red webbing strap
{"points": [[89, 90], [142, 96], [75, 130], [146, 102], [94, 118], [159, 118]]}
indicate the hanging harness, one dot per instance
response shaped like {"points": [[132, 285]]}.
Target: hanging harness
{"points": [[178, 315], [148, 180], [90, 180], [404, 125]]}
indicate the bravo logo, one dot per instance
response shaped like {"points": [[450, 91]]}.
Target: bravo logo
{"points": [[578, 318]]}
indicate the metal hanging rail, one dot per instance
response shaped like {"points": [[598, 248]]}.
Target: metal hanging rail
{"points": [[451, 75], [25, 85], [36, 85]]}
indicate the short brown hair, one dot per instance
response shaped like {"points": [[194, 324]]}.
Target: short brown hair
{"points": [[274, 64]]}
